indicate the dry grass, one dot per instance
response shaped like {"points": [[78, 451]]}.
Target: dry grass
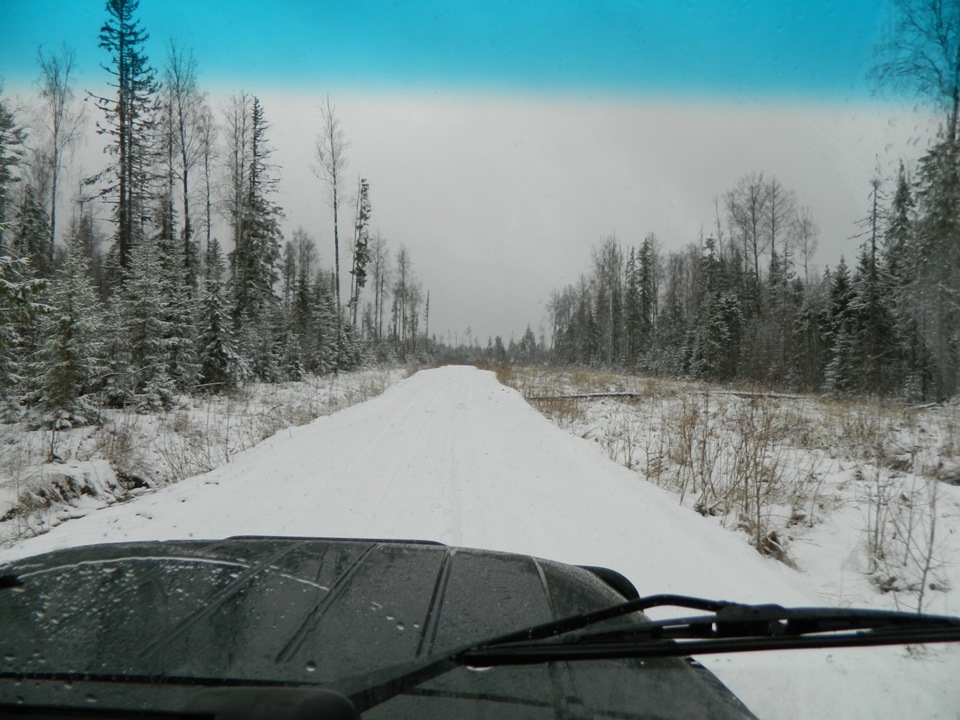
{"points": [[146, 451], [758, 462]]}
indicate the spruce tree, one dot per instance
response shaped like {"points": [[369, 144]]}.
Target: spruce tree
{"points": [[143, 372], [323, 313], [31, 233], [841, 369], [20, 309], [936, 262], [255, 259], [899, 287], [176, 283], [12, 138], [221, 367], [129, 123], [809, 331], [632, 319], [69, 362]]}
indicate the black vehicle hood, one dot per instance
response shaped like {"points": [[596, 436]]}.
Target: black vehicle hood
{"points": [[134, 624]]}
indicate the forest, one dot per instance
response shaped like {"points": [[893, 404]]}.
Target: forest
{"points": [[151, 303], [157, 305]]}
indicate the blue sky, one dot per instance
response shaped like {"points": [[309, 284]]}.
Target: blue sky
{"points": [[746, 48], [526, 131]]}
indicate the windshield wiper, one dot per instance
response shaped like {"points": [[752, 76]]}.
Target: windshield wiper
{"points": [[729, 627]]}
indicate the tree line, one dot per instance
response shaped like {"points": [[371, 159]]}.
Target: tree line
{"points": [[742, 305], [158, 305]]}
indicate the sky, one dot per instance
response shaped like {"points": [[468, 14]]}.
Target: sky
{"points": [[504, 139]]}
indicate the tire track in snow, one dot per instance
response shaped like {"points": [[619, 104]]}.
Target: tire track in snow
{"points": [[409, 446]]}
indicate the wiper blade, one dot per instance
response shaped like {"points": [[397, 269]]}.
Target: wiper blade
{"points": [[371, 689], [731, 627]]}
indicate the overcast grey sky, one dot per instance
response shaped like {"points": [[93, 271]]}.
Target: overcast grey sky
{"points": [[500, 198]]}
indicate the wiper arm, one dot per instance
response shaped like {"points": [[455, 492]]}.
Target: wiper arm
{"points": [[730, 628], [371, 689]]}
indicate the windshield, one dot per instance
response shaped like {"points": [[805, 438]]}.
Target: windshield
{"points": [[708, 251]]}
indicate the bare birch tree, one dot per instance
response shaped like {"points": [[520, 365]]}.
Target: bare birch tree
{"points": [[331, 150], [807, 238], [380, 269], [187, 110], [747, 209], [921, 53], [61, 121]]}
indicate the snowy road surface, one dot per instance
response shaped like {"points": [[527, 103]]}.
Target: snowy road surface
{"points": [[451, 455]]}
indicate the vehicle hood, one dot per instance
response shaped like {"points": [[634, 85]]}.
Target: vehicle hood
{"points": [[113, 619]]}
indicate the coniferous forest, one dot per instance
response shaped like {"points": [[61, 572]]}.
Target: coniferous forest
{"points": [[150, 302]]}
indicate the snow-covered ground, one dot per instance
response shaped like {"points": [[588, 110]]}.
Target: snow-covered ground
{"points": [[48, 477], [861, 496], [452, 455]]}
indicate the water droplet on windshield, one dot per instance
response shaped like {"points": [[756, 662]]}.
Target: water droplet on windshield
{"points": [[91, 698], [9, 658], [476, 668], [311, 666], [401, 627]]}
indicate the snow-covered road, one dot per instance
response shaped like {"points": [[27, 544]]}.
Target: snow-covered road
{"points": [[451, 455]]}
